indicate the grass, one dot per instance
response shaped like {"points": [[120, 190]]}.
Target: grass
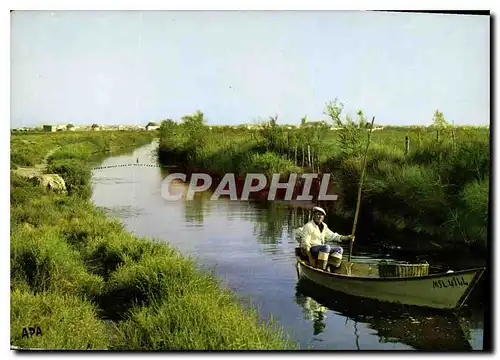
{"points": [[198, 320], [88, 284], [66, 321], [42, 259]]}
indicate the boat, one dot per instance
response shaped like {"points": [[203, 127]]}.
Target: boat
{"points": [[446, 291]]}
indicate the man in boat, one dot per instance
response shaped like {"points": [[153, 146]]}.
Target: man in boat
{"points": [[313, 236]]}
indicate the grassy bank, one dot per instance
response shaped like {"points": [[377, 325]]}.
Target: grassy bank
{"points": [[435, 188], [88, 284]]}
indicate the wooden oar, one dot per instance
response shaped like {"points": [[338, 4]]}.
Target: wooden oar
{"points": [[358, 203]]}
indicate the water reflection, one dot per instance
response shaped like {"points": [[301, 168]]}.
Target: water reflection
{"points": [[195, 209], [419, 328], [312, 311], [277, 223]]}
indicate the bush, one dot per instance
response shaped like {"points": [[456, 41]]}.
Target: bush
{"points": [[470, 163], [23, 190], [75, 174], [270, 163], [468, 220]]}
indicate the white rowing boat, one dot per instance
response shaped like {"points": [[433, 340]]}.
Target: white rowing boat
{"points": [[440, 291]]}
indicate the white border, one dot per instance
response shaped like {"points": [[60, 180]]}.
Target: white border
{"points": [[249, 5], [178, 5]]}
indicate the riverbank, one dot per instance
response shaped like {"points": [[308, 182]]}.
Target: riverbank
{"points": [[437, 193], [88, 284]]}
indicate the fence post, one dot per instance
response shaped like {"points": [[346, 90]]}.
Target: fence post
{"points": [[312, 159], [453, 136], [407, 144]]}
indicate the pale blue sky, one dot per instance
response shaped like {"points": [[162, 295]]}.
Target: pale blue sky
{"points": [[133, 67]]}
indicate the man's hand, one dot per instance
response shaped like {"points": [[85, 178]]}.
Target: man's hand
{"points": [[348, 238]]}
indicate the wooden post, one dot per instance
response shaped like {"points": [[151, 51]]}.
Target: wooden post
{"points": [[407, 144], [453, 135], [287, 145], [312, 160]]}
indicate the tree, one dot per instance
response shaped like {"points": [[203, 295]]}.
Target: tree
{"points": [[167, 129], [151, 123], [69, 126], [303, 121], [362, 121], [269, 133], [440, 124], [334, 110], [94, 126], [438, 121], [350, 132], [194, 130]]}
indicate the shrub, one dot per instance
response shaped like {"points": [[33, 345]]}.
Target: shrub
{"points": [[75, 174], [468, 220], [470, 163], [270, 163]]}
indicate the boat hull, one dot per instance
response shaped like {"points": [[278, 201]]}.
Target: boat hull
{"points": [[439, 291]]}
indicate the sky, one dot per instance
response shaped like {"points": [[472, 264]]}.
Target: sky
{"points": [[132, 67]]}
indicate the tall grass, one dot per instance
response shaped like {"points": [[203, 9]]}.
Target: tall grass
{"points": [[66, 321], [42, 259]]}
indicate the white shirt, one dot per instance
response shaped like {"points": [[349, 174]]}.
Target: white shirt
{"points": [[310, 235]]}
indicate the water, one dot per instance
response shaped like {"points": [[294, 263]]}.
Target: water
{"points": [[251, 247]]}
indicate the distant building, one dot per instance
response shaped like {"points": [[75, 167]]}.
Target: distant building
{"points": [[49, 128], [152, 127]]}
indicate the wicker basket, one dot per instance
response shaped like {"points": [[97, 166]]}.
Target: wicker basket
{"points": [[402, 270]]}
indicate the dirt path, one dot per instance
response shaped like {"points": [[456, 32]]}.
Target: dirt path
{"points": [[38, 169]]}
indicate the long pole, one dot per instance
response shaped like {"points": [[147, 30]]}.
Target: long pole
{"points": [[358, 203]]}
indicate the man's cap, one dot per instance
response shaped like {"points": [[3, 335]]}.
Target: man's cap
{"points": [[321, 210]]}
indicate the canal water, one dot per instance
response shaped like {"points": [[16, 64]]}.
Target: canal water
{"points": [[250, 245]]}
